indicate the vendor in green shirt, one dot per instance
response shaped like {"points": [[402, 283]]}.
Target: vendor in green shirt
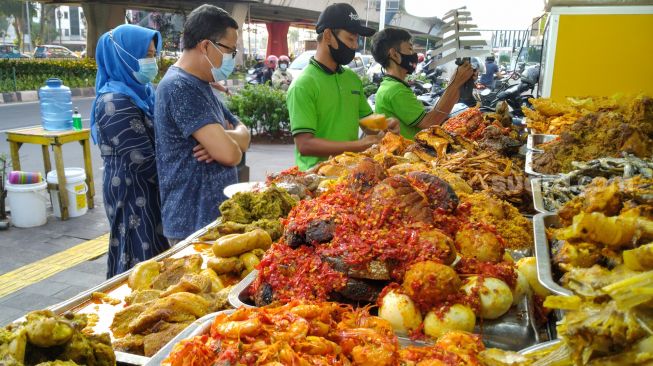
{"points": [[392, 48], [327, 100]]}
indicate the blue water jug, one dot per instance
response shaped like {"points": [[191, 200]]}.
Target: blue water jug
{"points": [[56, 106]]}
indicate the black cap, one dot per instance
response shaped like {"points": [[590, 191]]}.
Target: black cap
{"points": [[342, 16]]}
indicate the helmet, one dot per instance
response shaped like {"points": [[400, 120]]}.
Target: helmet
{"points": [[474, 63], [420, 57], [271, 61], [284, 58], [258, 57], [490, 58]]}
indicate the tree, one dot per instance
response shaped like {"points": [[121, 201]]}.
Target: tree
{"points": [[47, 29], [16, 10], [4, 24]]}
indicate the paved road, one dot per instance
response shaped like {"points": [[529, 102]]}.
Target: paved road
{"points": [[28, 114], [270, 158]]}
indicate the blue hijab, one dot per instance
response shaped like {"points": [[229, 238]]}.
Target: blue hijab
{"points": [[114, 76]]}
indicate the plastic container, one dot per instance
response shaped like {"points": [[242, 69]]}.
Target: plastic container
{"points": [[56, 106], [20, 177], [27, 203], [76, 188]]}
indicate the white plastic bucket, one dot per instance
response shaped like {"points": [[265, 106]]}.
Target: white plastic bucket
{"points": [[27, 203], [76, 188]]}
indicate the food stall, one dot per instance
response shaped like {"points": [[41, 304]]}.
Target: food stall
{"points": [[597, 47], [411, 252]]}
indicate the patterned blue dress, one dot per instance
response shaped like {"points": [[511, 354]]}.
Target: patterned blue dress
{"points": [[131, 188]]}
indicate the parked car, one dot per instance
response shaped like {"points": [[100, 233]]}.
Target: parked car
{"points": [[10, 51], [357, 65], [170, 55], [52, 51]]}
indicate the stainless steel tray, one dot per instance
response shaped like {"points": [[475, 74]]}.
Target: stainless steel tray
{"points": [[238, 295], [539, 347], [538, 195], [529, 166], [515, 330], [202, 326], [196, 328], [537, 139], [543, 253], [116, 287]]}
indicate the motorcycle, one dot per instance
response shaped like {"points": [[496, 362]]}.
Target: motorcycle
{"points": [[512, 94], [252, 76]]}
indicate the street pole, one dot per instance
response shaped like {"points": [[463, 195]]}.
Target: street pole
{"points": [[59, 15], [382, 15], [29, 26], [367, 10], [249, 32]]}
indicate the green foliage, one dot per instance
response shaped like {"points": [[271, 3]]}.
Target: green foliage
{"points": [[504, 58], [369, 87], [32, 74], [75, 73], [262, 109], [164, 64], [534, 54]]}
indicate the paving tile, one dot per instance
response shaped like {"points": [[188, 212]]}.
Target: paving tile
{"points": [[64, 241], [86, 233], [9, 263], [94, 267], [47, 287], [28, 301], [8, 315], [77, 278], [68, 293]]}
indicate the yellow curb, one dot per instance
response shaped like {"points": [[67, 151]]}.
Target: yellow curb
{"points": [[34, 272]]}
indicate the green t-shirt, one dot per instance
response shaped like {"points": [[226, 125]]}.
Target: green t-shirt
{"points": [[395, 99], [326, 104]]}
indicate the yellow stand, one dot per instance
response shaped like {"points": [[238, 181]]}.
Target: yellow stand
{"points": [[39, 136]]}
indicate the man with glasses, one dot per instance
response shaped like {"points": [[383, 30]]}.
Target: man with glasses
{"points": [[198, 142], [326, 101]]}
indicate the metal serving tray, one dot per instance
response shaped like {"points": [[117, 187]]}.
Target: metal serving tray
{"points": [[540, 346], [117, 288], [529, 166], [534, 140], [543, 253], [203, 325], [538, 194], [196, 328], [515, 330]]}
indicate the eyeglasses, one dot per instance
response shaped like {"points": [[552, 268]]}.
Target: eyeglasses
{"points": [[232, 50]]}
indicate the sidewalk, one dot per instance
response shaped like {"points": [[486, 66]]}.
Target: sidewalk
{"points": [[22, 247]]}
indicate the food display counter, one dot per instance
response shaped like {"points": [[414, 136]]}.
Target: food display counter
{"points": [[413, 251]]}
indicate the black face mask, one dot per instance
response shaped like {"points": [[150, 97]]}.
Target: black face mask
{"points": [[408, 62], [343, 55]]}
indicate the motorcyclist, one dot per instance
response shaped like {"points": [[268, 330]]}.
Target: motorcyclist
{"points": [[270, 66], [491, 72], [259, 67], [281, 78]]}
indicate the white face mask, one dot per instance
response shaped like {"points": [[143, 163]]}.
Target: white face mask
{"points": [[283, 67]]}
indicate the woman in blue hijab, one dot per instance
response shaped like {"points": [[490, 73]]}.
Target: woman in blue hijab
{"points": [[121, 124]]}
